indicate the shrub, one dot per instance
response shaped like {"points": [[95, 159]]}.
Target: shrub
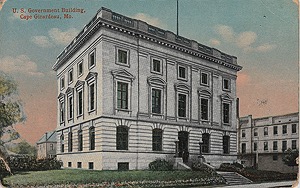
{"points": [[160, 165], [235, 167], [29, 163]]}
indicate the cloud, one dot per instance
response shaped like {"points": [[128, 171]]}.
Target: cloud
{"points": [[20, 64], [226, 32], [2, 3], [245, 40], [62, 37], [214, 42], [41, 41], [55, 37], [150, 20]]}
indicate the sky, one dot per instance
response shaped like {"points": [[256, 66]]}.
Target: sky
{"points": [[262, 34]]}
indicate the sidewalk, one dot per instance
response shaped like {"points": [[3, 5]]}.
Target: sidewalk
{"points": [[282, 184]]}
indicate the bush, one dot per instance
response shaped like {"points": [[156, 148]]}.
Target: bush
{"points": [[160, 165], [235, 167], [29, 163]]}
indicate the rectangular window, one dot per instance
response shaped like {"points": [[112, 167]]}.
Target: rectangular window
{"points": [[255, 146], [204, 109], [80, 102], [92, 97], [243, 147], [284, 129], [181, 72], [70, 102], [62, 111], [181, 105], [122, 138], [92, 59], [69, 164], [80, 68], [51, 147], [243, 133], [156, 66], [294, 144], [226, 84], [294, 128], [275, 157], [284, 145], [157, 140], [266, 146], [204, 78], [156, 101], [226, 112], [275, 130], [79, 165], [62, 83], [275, 146], [265, 131], [255, 133], [122, 56], [123, 166], [122, 96], [70, 76], [91, 165]]}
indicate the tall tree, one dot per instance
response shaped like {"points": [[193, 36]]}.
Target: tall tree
{"points": [[10, 112]]}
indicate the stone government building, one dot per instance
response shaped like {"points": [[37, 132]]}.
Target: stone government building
{"points": [[262, 141], [129, 92]]}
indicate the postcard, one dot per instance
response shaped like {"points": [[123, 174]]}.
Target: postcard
{"points": [[164, 93]]}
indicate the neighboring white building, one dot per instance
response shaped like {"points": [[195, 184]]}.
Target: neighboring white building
{"points": [[128, 91], [46, 146], [262, 141]]}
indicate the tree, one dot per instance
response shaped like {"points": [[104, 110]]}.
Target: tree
{"points": [[289, 157], [25, 148], [11, 112]]}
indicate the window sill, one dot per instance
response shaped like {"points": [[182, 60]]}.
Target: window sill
{"points": [[123, 64], [155, 72], [123, 110], [182, 79]]}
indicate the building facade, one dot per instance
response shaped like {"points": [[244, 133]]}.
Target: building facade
{"points": [[262, 141], [46, 146], [129, 93]]}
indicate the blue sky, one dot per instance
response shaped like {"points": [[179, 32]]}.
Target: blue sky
{"points": [[262, 34]]}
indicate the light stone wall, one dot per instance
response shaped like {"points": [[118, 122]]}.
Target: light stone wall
{"points": [[138, 118]]}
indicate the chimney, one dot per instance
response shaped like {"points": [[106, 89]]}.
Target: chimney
{"points": [[46, 136]]}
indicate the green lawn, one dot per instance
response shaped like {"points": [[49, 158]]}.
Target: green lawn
{"points": [[115, 178]]}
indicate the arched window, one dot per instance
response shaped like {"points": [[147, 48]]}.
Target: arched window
{"points": [[226, 144], [70, 142], [92, 138], [205, 145], [80, 143], [122, 138], [62, 144], [157, 139]]}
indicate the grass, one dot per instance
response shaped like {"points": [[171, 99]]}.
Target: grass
{"points": [[74, 176]]}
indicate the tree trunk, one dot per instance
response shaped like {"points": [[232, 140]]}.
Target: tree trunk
{"points": [[3, 157]]}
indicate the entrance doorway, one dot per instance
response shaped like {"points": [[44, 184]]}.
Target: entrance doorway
{"points": [[183, 145]]}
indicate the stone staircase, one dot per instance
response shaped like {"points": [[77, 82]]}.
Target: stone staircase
{"points": [[233, 178]]}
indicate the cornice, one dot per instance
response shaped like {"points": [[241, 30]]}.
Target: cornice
{"points": [[179, 44]]}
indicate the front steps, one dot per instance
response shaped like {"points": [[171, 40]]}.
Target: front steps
{"points": [[233, 178]]}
